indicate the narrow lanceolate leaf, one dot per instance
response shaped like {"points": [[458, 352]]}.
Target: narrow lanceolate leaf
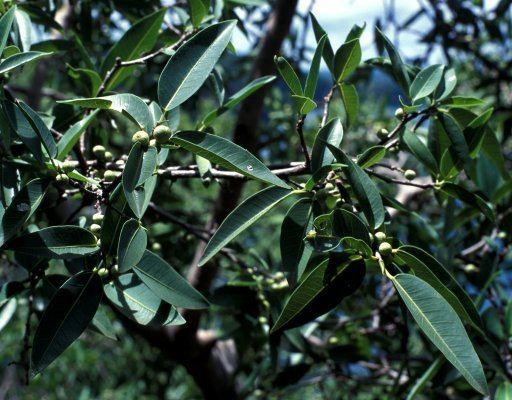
{"points": [[189, 67], [167, 284], [432, 271], [113, 221], [242, 217], [304, 104], [19, 59], [425, 378], [331, 133], [321, 290], [348, 224], [399, 69], [137, 302], [364, 189], [56, 242], [289, 75], [447, 84], [296, 223], [125, 103], [312, 79], [347, 59], [328, 53], [462, 102], [237, 98], [371, 156], [70, 311], [139, 39], [459, 145], [71, 136], [227, 154], [40, 128], [426, 82], [23, 205], [132, 245], [350, 100], [504, 391], [5, 27], [442, 326], [420, 151], [471, 199]]}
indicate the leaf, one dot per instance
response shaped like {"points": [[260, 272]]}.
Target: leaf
{"points": [[126, 103], [348, 224], [40, 128], [463, 102], [420, 151], [134, 299], [442, 326], [237, 98], [331, 133], [189, 67], [71, 136], [6, 312], [289, 75], [70, 311], [23, 30], [133, 240], [304, 104], [328, 53], [371, 156], [10, 289], [312, 79], [296, 223], [23, 205], [140, 38], [198, 10], [347, 59], [55, 242], [242, 217], [5, 27], [459, 144], [432, 271], [426, 82], [399, 69], [364, 189], [422, 381], [227, 154], [320, 291], [469, 198], [113, 221], [102, 324], [167, 284], [504, 391], [140, 166], [350, 100], [19, 59], [447, 84]]}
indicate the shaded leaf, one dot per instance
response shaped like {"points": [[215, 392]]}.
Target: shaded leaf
{"points": [[19, 59], [350, 100], [469, 198], [133, 240], [71, 136], [289, 75], [331, 133], [371, 156], [399, 69]]}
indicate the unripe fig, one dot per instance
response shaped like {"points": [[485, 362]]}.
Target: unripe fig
{"points": [[502, 235], [382, 133], [67, 166], [95, 228], [400, 113], [62, 178], [311, 234], [99, 152], [262, 320], [380, 237], [141, 137], [385, 249], [152, 142], [109, 156], [110, 175], [162, 133], [156, 246], [103, 272], [471, 269], [115, 269], [333, 340], [97, 218], [410, 174]]}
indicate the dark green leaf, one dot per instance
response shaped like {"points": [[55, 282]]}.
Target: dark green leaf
{"points": [[304, 104], [426, 82], [40, 128], [347, 59], [371, 156], [504, 391], [447, 84], [420, 151], [331, 133], [459, 145], [328, 53], [463, 102], [312, 79], [19, 59], [5, 27], [350, 100], [70, 311], [288, 74], [469, 198], [71, 136], [133, 240], [198, 10]]}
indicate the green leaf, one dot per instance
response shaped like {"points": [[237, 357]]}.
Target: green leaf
{"points": [[423, 380], [71, 136], [331, 133], [447, 84], [304, 104], [420, 151], [462, 102], [350, 100], [399, 68], [227, 154], [7, 312], [459, 144], [70, 311], [426, 82], [55, 242], [140, 166], [348, 224], [139, 39], [504, 391], [371, 156], [469, 198], [102, 324], [289, 75], [5, 27], [432, 271], [198, 10], [113, 221], [10, 289], [328, 53], [189, 67], [23, 30], [312, 79], [347, 59], [19, 59], [167, 284], [237, 98], [364, 189], [134, 299], [442, 326], [242, 217], [126, 103], [133, 240], [87, 78], [23, 205], [40, 128], [321, 290], [296, 223]]}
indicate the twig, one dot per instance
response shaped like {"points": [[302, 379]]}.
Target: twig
{"points": [[400, 182], [300, 132], [327, 101]]}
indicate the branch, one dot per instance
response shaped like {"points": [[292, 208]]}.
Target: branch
{"points": [[303, 145]]}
